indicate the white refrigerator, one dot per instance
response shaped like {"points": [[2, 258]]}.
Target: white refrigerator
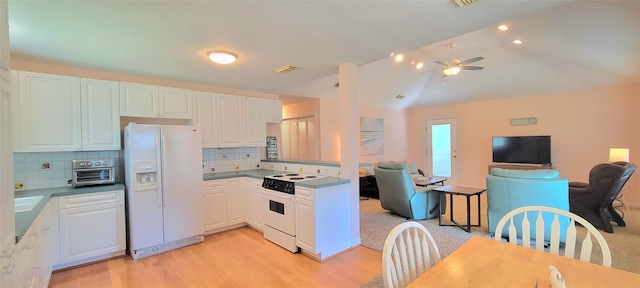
{"points": [[163, 178]]}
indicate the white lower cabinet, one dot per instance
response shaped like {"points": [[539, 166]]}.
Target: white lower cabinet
{"points": [[34, 253], [235, 201], [321, 229], [215, 205], [92, 227], [224, 204], [254, 203]]}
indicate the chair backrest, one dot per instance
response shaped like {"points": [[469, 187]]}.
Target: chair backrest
{"points": [[408, 252], [395, 186], [609, 178], [534, 215]]}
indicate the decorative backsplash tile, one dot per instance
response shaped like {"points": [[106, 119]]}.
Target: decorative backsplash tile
{"points": [[52, 169], [230, 159]]}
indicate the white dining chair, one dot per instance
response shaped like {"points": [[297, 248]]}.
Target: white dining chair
{"points": [[554, 243], [408, 252]]}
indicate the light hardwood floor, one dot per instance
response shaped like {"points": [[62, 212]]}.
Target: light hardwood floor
{"points": [[236, 258]]}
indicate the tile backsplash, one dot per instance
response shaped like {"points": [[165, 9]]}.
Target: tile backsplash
{"points": [[230, 159], [52, 169], [43, 170]]}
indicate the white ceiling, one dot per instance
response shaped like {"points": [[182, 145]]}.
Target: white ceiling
{"points": [[568, 45]]}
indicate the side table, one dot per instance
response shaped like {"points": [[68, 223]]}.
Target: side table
{"points": [[462, 191]]}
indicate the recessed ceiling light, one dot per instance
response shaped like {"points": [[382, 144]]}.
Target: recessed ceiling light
{"points": [[503, 28], [222, 57], [517, 42], [419, 65]]}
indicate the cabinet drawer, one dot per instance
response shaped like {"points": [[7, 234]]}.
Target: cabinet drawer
{"points": [[214, 184], [305, 193], [91, 199]]}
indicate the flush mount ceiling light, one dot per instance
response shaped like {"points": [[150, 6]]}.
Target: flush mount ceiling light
{"points": [[222, 57], [503, 28]]}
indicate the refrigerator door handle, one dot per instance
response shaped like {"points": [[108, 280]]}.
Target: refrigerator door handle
{"points": [[164, 193], [160, 176]]}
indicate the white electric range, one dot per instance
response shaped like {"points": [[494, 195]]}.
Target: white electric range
{"points": [[280, 215]]}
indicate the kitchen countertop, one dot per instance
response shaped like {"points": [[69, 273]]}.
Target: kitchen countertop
{"points": [[25, 219], [261, 173]]}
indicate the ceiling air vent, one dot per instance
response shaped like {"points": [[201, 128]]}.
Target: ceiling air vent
{"points": [[463, 3], [286, 69]]}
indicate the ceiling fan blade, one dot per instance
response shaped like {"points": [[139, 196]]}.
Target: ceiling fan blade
{"points": [[471, 67], [442, 63], [472, 60]]}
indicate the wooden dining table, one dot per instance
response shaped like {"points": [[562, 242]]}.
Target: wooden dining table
{"points": [[484, 262]]}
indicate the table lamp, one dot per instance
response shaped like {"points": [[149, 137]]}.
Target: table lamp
{"points": [[618, 154]]}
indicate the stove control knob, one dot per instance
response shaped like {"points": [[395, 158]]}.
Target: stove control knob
{"points": [[89, 163], [81, 164], [104, 163], [97, 163]]}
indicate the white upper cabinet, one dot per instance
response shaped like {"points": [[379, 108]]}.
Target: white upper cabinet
{"points": [[255, 133], [241, 121], [46, 112], [64, 113], [100, 114], [175, 103], [144, 100], [273, 111], [204, 114], [138, 100], [230, 121]]}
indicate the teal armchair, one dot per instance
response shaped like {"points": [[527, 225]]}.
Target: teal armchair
{"points": [[508, 189], [399, 195]]}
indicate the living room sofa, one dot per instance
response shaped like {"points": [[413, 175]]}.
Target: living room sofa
{"points": [[508, 189]]}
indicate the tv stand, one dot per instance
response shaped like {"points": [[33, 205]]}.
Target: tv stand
{"points": [[520, 166]]}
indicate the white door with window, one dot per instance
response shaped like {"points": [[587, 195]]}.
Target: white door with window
{"points": [[442, 149]]}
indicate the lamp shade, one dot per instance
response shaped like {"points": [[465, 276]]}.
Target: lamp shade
{"points": [[618, 154]]}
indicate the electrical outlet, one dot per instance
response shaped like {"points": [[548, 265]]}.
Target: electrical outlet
{"points": [[318, 171], [248, 155]]}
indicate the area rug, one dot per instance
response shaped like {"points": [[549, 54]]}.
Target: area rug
{"points": [[376, 223]]}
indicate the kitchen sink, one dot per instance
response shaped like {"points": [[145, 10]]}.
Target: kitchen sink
{"points": [[25, 204]]}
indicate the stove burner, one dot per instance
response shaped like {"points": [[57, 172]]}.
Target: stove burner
{"points": [[278, 176], [292, 174], [296, 178], [311, 176]]}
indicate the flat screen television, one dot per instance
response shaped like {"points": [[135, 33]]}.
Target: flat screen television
{"points": [[522, 149]]}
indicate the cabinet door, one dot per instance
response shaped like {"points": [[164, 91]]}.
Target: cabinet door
{"points": [[255, 126], [175, 103], [230, 121], [138, 100], [100, 114], [90, 231], [235, 201], [258, 207], [215, 211], [205, 116], [48, 113], [305, 225], [273, 110]]}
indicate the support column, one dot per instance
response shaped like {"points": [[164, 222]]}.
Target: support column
{"points": [[349, 147]]}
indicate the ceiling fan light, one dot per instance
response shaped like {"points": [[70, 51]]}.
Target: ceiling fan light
{"points": [[222, 57], [451, 71]]}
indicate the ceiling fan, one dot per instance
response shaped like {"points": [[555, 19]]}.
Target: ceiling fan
{"points": [[454, 66]]}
